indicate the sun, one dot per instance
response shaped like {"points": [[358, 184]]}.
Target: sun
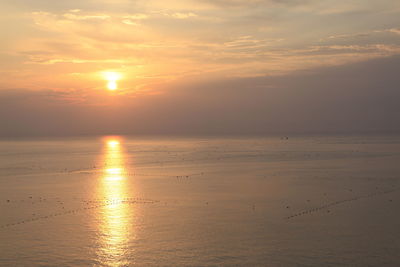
{"points": [[113, 143], [112, 78], [112, 85]]}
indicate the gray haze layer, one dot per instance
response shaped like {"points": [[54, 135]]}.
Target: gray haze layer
{"points": [[356, 98]]}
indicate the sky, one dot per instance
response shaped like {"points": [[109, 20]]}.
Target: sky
{"points": [[199, 67]]}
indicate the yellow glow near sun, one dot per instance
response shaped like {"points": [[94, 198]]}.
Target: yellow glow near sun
{"points": [[112, 77], [114, 171]]}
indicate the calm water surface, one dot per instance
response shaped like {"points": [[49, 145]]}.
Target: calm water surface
{"points": [[129, 201]]}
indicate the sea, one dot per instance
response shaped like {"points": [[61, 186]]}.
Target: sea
{"points": [[200, 201]]}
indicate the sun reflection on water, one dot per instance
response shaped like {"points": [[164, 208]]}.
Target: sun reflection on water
{"points": [[115, 217]]}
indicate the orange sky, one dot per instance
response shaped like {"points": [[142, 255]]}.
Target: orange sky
{"points": [[64, 48]]}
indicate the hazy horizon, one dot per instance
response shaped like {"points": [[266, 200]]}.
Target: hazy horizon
{"points": [[331, 100]]}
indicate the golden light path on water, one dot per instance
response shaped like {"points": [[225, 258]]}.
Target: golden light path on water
{"points": [[115, 219]]}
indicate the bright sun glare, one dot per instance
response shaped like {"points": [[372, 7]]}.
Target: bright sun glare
{"points": [[112, 78], [113, 143]]}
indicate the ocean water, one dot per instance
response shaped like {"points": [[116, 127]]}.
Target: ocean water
{"points": [[134, 201]]}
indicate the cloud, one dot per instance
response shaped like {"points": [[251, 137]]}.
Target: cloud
{"points": [[137, 16], [180, 15], [393, 30], [361, 35], [130, 22], [347, 36], [71, 16], [252, 3]]}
